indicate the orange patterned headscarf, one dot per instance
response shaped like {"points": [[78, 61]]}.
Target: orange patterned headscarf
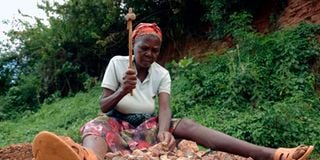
{"points": [[146, 28]]}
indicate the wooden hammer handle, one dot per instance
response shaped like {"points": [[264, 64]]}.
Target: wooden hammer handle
{"points": [[130, 17]]}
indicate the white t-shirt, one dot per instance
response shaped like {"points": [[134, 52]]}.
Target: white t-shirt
{"points": [[143, 100]]}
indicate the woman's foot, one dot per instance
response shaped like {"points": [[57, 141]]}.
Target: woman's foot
{"points": [[49, 146], [298, 153]]}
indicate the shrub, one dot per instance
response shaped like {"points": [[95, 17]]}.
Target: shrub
{"points": [[262, 90], [22, 97]]}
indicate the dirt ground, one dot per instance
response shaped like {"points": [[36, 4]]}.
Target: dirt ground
{"points": [[186, 150], [16, 152]]}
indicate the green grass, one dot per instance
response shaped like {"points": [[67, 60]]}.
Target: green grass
{"points": [[63, 117]]}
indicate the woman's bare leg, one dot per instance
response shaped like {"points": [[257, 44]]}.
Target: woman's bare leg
{"points": [[188, 129], [97, 144]]}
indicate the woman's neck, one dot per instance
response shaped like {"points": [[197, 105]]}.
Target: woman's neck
{"points": [[142, 73]]}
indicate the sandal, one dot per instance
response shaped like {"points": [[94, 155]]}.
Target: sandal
{"points": [[48, 146], [288, 153]]}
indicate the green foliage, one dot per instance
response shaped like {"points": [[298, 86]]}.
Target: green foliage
{"points": [[262, 90], [55, 60], [90, 83], [52, 98], [221, 14], [239, 23], [8, 71], [22, 97], [288, 122], [179, 20], [84, 20]]}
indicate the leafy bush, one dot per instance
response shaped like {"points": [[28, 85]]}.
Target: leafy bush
{"points": [[262, 90], [22, 97], [220, 13], [63, 52]]}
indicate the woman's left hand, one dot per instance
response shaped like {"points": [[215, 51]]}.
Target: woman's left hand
{"points": [[167, 139]]}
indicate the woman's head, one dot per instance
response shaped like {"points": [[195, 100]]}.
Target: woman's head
{"points": [[147, 39], [146, 29]]}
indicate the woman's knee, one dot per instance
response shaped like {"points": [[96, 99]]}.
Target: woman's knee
{"points": [[97, 144], [93, 140], [186, 125]]}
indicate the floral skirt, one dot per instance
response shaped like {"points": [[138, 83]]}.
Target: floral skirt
{"points": [[121, 135]]}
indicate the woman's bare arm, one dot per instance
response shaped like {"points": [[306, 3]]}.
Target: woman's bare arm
{"points": [[110, 98], [164, 134], [164, 112]]}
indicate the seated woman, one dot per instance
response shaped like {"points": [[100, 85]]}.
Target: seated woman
{"points": [[128, 122]]}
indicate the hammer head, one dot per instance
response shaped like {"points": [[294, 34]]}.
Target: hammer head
{"points": [[130, 15]]}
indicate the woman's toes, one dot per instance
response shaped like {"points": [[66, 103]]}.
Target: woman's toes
{"points": [[299, 152]]}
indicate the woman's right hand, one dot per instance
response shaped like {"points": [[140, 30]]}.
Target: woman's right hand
{"points": [[129, 81]]}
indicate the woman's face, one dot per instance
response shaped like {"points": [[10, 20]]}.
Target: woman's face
{"points": [[146, 50]]}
